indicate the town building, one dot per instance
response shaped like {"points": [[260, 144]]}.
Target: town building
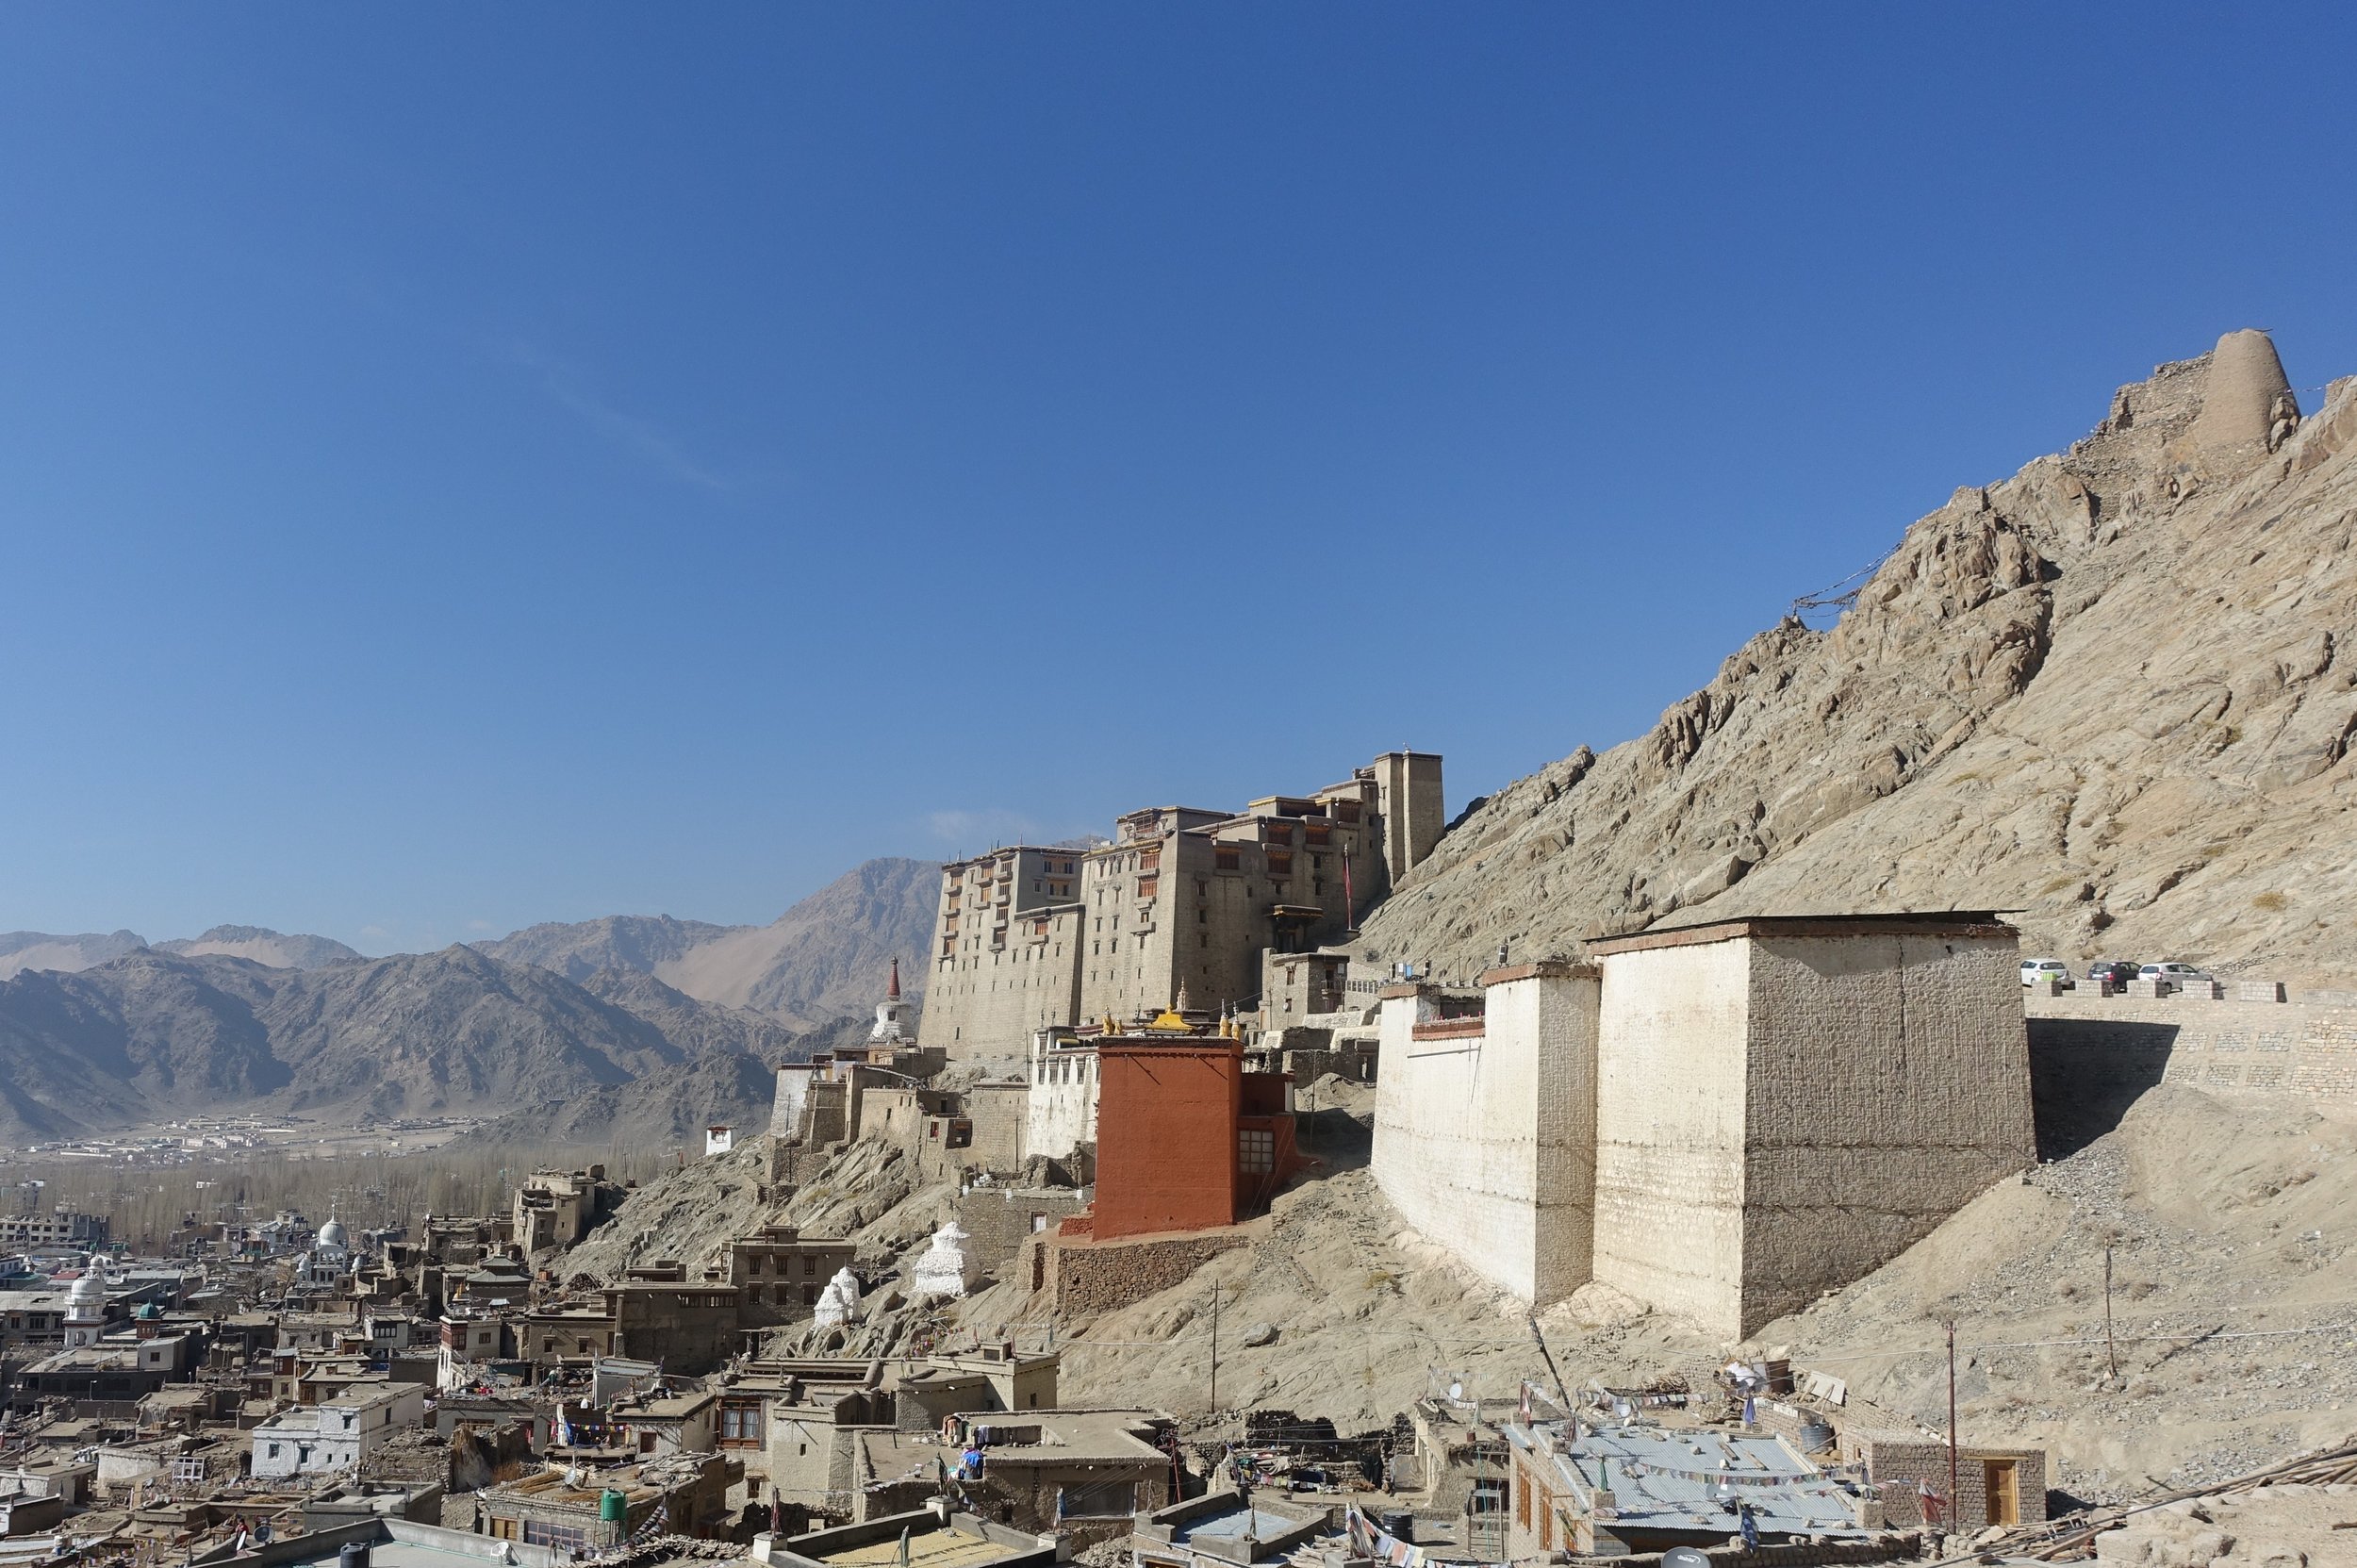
{"points": [[682, 1494], [1060, 1093], [556, 1208], [1088, 1472], [779, 1272], [62, 1228], [1613, 1491], [994, 1378], [1721, 1120], [1909, 1473], [1187, 1138], [337, 1434], [1225, 1529], [654, 1424], [32, 1318]]}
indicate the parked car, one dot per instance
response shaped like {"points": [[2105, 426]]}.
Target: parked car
{"points": [[2119, 971], [2037, 970], [2177, 974]]}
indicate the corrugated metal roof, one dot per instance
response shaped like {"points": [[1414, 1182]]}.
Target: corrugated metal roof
{"points": [[1692, 1481]]}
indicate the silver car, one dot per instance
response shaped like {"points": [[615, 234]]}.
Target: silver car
{"points": [[2177, 974]]}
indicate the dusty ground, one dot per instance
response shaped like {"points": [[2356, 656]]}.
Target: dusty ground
{"points": [[2280, 1526]]}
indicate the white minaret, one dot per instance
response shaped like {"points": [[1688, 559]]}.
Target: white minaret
{"points": [[887, 1030], [85, 1309]]}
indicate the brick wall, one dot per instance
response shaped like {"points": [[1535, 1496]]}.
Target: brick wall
{"points": [[996, 1111], [1670, 1070]]}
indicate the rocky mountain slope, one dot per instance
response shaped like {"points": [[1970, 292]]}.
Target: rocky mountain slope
{"points": [[2115, 691], [153, 1035], [821, 961]]}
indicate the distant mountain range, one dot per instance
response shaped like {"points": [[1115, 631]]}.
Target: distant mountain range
{"points": [[823, 960], [638, 1026], [20, 950], [153, 1036]]}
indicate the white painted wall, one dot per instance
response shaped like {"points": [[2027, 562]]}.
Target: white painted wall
{"points": [[1060, 1110], [1669, 1094], [1483, 1143]]}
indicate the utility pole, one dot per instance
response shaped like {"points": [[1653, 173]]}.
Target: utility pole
{"points": [[1215, 1348], [2111, 1350], [1952, 1521]]}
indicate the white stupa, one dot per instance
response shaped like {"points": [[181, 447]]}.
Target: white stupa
{"points": [[838, 1302], [887, 1030], [947, 1268]]}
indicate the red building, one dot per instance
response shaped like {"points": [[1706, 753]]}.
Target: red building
{"points": [[1186, 1139]]}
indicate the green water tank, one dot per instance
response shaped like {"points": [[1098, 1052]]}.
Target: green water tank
{"points": [[611, 1509]]}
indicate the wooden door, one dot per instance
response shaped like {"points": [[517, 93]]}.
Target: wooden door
{"points": [[2001, 1487]]}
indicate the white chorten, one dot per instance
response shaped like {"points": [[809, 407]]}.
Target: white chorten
{"points": [[947, 1268], [888, 1030], [837, 1301]]}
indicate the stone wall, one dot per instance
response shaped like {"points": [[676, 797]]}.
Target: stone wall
{"points": [[1002, 1219], [1485, 1129], [1087, 1278], [2308, 1048], [999, 1112], [1898, 1467], [1888, 1086]]}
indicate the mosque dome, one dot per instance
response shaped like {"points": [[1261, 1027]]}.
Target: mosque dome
{"points": [[333, 1234]]}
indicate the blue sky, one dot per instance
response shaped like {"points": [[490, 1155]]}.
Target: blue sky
{"points": [[464, 466]]}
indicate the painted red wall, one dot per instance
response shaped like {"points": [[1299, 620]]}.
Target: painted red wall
{"points": [[1166, 1117]]}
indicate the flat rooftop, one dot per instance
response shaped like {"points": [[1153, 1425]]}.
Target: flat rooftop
{"points": [[1943, 923], [933, 1549]]}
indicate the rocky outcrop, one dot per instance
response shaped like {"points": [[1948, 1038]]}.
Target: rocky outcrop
{"points": [[2114, 692]]}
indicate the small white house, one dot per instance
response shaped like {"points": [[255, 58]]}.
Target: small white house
{"points": [[719, 1140], [334, 1434]]}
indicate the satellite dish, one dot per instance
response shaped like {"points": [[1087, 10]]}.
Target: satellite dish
{"points": [[1684, 1557], [1456, 1392]]}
